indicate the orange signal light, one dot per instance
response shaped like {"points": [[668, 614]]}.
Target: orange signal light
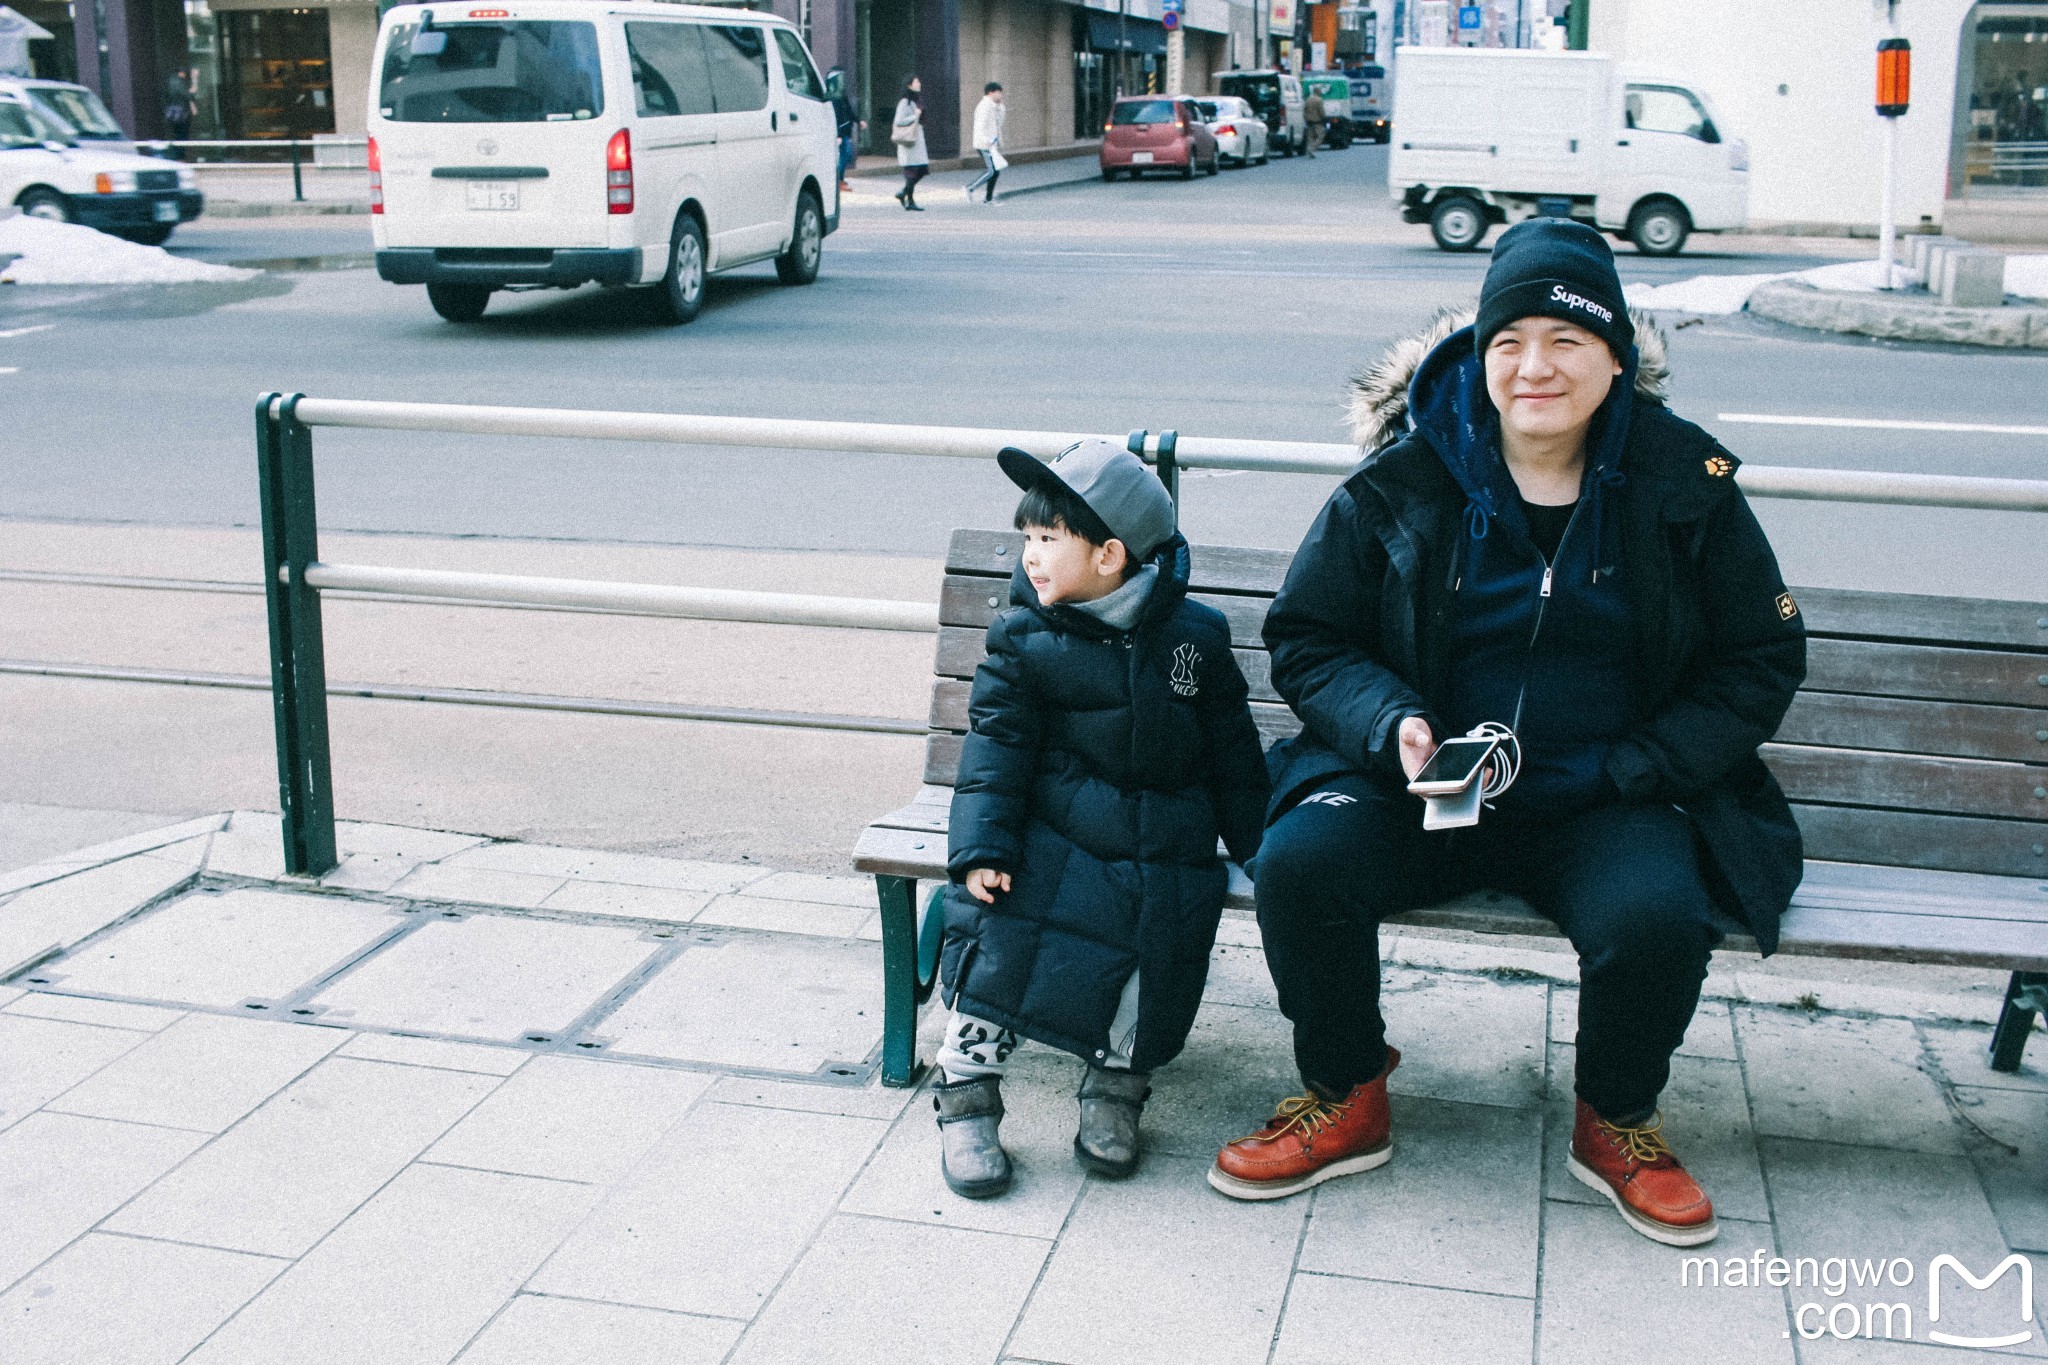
{"points": [[1894, 76]]}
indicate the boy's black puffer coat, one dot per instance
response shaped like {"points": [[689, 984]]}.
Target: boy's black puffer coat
{"points": [[1360, 632], [1100, 771]]}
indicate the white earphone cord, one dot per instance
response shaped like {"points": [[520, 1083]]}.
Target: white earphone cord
{"points": [[1504, 764]]}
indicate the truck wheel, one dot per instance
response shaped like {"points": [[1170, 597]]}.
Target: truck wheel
{"points": [[1458, 223], [799, 264], [1659, 227], [459, 302], [46, 204], [1108, 175], [681, 291]]}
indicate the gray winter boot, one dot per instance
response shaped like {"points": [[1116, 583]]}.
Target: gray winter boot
{"points": [[970, 1152], [1111, 1101]]}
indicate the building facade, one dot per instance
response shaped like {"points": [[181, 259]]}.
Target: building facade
{"points": [[251, 69], [1798, 85]]}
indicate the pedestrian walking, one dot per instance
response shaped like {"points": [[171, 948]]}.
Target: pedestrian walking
{"points": [[1534, 541], [1109, 746], [988, 140], [848, 121], [1316, 117], [177, 110], [907, 132]]}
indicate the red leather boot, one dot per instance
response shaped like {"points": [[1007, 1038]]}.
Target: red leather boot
{"points": [[1309, 1140], [1635, 1168]]}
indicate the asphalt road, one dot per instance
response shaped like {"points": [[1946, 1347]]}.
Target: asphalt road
{"points": [[1236, 307]]}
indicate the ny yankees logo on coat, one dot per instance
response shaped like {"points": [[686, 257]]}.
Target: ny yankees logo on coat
{"points": [[1183, 680]]}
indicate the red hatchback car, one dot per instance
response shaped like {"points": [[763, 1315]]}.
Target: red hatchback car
{"points": [[1157, 132]]}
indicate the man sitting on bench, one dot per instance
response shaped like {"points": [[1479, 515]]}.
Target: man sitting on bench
{"points": [[1540, 545]]}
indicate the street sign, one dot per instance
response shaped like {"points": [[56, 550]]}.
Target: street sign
{"points": [[1470, 18], [1170, 20]]}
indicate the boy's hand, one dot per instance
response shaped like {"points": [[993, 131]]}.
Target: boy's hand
{"points": [[1417, 744], [984, 882]]}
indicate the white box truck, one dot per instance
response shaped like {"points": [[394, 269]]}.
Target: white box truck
{"points": [[1486, 136]]}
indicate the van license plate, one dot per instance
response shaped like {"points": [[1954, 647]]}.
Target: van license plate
{"points": [[166, 211], [1141, 158], [494, 194]]}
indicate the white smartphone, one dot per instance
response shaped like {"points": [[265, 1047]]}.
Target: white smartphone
{"points": [[1453, 766]]}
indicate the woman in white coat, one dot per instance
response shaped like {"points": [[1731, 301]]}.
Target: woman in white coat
{"points": [[907, 132]]}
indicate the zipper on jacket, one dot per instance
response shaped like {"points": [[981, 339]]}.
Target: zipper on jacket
{"points": [[1542, 605]]}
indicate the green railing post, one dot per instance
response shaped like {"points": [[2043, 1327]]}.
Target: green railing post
{"points": [[298, 664]]}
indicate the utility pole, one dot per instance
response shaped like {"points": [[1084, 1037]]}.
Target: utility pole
{"points": [[1123, 45], [1894, 89]]}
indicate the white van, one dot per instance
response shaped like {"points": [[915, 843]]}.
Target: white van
{"points": [[557, 142], [1489, 136]]}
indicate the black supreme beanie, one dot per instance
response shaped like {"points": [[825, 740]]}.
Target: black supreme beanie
{"points": [[1555, 268]]}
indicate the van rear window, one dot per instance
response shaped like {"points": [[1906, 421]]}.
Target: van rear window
{"points": [[522, 71]]}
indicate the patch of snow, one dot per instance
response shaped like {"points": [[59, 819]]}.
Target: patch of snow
{"points": [[1718, 294], [2027, 276], [65, 253], [1706, 294]]}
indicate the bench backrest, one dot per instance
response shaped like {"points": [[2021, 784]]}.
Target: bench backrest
{"points": [[1919, 740]]}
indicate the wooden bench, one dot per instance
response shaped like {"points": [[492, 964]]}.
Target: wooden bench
{"points": [[1916, 759]]}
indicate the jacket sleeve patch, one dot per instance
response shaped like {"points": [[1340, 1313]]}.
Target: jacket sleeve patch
{"points": [[1787, 608], [1720, 466]]}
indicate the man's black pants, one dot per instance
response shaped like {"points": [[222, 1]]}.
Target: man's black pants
{"points": [[1623, 882]]}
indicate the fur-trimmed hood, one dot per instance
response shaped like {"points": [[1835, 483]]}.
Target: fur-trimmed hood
{"points": [[1378, 399]]}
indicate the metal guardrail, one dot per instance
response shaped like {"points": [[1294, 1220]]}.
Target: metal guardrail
{"points": [[294, 575], [293, 148]]}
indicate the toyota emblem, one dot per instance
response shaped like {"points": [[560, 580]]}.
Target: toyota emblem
{"points": [[487, 147]]}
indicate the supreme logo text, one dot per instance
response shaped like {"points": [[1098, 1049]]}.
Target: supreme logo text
{"points": [[1559, 294]]}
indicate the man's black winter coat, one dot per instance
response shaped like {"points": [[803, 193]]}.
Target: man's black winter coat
{"points": [[1359, 636], [1100, 770]]}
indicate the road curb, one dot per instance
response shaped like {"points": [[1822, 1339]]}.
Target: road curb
{"points": [[1900, 319]]}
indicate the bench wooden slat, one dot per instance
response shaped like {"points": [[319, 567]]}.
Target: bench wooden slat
{"points": [[1918, 839], [1215, 568], [1883, 937], [1816, 925], [1933, 672], [965, 601], [1864, 777], [1923, 618], [1902, 725]]}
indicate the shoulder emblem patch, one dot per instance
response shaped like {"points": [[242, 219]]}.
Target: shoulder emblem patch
{"points": [[1183, 679], [1720, 466], [1787, 608]]}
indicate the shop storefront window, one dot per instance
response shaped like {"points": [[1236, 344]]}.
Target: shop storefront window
{"points": [[277, 76], [2006, 69]]}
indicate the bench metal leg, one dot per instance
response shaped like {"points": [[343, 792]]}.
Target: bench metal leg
{"points": [[2026, 996], [910, 961]]}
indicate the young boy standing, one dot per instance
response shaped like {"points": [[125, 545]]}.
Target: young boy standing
{"points": [[1110, 747]]}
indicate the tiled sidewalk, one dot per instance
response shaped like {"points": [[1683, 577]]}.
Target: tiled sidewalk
{"points": [[501, 1103]]}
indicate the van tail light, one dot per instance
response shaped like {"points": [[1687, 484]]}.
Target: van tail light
{"points": [[618, 172], [376, 164], [103, 183]]}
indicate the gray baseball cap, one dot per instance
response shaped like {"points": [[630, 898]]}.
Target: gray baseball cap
{"points": [[1114, 483]]}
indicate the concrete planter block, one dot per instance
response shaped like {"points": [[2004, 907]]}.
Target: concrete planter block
{"points": [[1973, 279], [1918, 248]]}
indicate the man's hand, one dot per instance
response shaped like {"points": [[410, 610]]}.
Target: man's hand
{"points": [[1417, 744], [984, 882]]}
